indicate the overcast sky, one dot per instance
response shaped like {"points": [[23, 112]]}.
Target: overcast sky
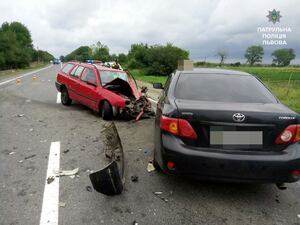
{"points": [[201, 27]]}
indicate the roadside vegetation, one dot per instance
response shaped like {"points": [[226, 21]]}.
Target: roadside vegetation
{"points": [[16, 48], [14, 72]]}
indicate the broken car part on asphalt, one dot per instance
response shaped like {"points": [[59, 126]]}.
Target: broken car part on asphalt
{"points": [[69, 173], [110, 180]]}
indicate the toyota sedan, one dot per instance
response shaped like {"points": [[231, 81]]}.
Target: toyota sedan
{"points": [[225, 125]]}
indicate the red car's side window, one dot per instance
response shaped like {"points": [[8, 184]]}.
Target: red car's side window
{"points": [[89, 75], [66, 69], [77, 71]]}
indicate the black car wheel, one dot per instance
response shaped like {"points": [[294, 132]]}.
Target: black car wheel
{"points": [[65, 99], [106, 111]]}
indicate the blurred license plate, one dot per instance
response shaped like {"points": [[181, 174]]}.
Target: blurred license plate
{"points": [[236, 137]]}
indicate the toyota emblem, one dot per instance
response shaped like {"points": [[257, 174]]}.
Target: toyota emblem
{"points": [[238, 117]]}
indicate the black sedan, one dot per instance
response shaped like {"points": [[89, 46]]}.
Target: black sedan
{"points": [[225, 125]]}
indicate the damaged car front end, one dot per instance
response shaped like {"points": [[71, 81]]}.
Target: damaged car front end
{"points": [[136, 103]]}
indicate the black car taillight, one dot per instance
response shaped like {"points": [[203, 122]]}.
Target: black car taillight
{"points": [[291, 134], [178, 127]]}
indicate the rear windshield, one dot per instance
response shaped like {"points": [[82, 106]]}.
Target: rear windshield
{"points": [[108, 76], [222, 88]]}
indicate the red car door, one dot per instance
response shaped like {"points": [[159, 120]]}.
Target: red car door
{"points": [[74, 84], [89, 85]]}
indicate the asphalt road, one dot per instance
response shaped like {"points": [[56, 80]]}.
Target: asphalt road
{"points": [[30, 119]]}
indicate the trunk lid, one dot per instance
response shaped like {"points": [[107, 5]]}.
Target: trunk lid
{"points": [[264, 121]]}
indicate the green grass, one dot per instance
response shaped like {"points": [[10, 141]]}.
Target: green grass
{"points": [[140, 75], [271, 73], [289, 94], [275, 78], [14, 72]]}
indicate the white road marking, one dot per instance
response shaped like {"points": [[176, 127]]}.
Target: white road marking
{"points": [[49, 214], [24, 75], [58, 98]]}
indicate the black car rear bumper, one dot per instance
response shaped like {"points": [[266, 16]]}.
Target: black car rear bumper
{"points": [[228, 165]]}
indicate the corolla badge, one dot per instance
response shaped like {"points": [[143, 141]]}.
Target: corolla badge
{"points": [[238, 117]]}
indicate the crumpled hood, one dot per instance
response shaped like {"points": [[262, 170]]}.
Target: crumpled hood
{"points": [[126, 88]]}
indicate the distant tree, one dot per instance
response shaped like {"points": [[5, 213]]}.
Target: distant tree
{"points": [[122, 58], [100, 52], [254, 54], [113, 57], [162, 60], [223, 56], [137, 55], [81, 54], [156, 59], [236, 64], [15, 45], [284, 56]]}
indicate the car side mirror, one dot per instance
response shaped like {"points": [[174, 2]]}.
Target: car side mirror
{"points": [[158, 86], [91, 83]]}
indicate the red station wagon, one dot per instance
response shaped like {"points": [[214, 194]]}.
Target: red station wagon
{"points": [[111, 92]]}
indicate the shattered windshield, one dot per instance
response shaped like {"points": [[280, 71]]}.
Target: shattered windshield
{"points": [[108, 76]]}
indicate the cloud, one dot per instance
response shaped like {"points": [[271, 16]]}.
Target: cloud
{"points": [[202, 27]]}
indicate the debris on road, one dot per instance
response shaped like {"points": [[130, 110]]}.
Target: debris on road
{"points": [[62, 204], [69, 173], [110, 180], [281, 186], [146, 152], [150, 167], [159, 195], [30, 156], [50, 179], [89, 188], [66, 151], [134, 178]]}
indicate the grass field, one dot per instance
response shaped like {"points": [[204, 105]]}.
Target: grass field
{"points": [[277, 80], [14, 72]]}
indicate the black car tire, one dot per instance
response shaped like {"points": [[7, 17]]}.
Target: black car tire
{"points": [[65, 99], [106, 111]]}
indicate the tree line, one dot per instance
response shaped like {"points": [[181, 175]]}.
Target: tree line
{"points": [[153, 59], [281, 57], [16, 48], [254, 55]]}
